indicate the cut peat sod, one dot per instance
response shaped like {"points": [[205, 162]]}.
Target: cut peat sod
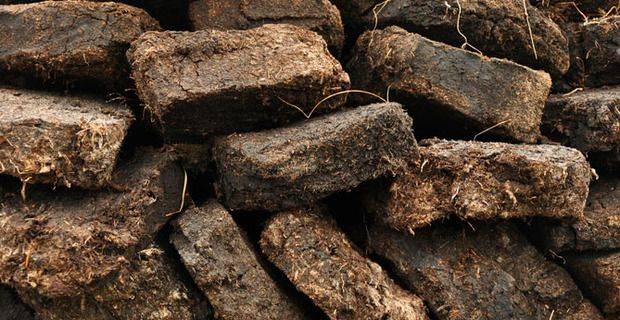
{"points": [[491, 273], [235, 80], [297, 165], [498, 28], [323, 264], [320, 16], [69, 43], [225, 267], [451, 88], [598, 230], [148, 287], [599, 276], [61, 140], [57, 243], [484, 180]]}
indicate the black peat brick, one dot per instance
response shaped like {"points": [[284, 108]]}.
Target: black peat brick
{"points": [[317, 15], [225, 267], [598, 274], [490, 273], [447, 87], [69, 43], [60, 242], [598, 230], [149, 287], [297, 165], [588, 121], [212, 82], [12, 307], [323, 264], [602, 52], [484, 180], [62, 140], [497, 28]]}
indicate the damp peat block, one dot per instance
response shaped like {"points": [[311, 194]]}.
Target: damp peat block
{"points": [[297, 165]]}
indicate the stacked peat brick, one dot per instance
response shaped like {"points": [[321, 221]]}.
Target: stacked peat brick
{"points": [[264, 166]]}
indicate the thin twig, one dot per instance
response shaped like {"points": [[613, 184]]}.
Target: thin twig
{"points": [[529, 27], [308, 115], [458, 29], [182, 196], [490, 128]]}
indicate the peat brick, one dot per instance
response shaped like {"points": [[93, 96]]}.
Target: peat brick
{"points": [[497, 28], [598, 230], [150, 287], [60, 242], [588, 121], [484, 180], [212, 82], [490, 273], [323, 264], [69, 43], [225, 267], [602, 53], [12, 307], [317, 15], [598, 274], [447, 87], [297, 165], [61, 140]]}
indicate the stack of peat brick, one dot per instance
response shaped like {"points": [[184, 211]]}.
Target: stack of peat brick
{"points": [[264, 165]]}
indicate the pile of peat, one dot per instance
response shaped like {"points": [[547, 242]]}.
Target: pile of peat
{"points": [[361, 159]]}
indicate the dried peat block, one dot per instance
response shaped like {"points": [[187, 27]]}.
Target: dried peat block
{"points": [[491, 273], [60, 242], [12, 307], [496, 27], [225, 267], [62, 140], [212, 82], [484, 180], [150, 287], [451, 86], [317, 15], [69, 43], [598, 275], [602, 53], [598, 230], [588, 120], [295, 166], [322, 263]]}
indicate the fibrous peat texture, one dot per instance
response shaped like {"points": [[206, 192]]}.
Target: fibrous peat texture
{"points": [[212, 82], [297, 165], [62, 140], [225, 267], [478, 180]]}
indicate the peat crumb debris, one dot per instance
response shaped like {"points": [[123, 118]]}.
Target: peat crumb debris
{"points": [[598, 230], [57, 243], [295, 166], [147, 287], [225, 267], [234, 80], [61, 140], [587, 120], [318, 15], [453, 87], [489, 273], [69, 43], [497, 28], [323, 264], [598, 274], [478, 180]]}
